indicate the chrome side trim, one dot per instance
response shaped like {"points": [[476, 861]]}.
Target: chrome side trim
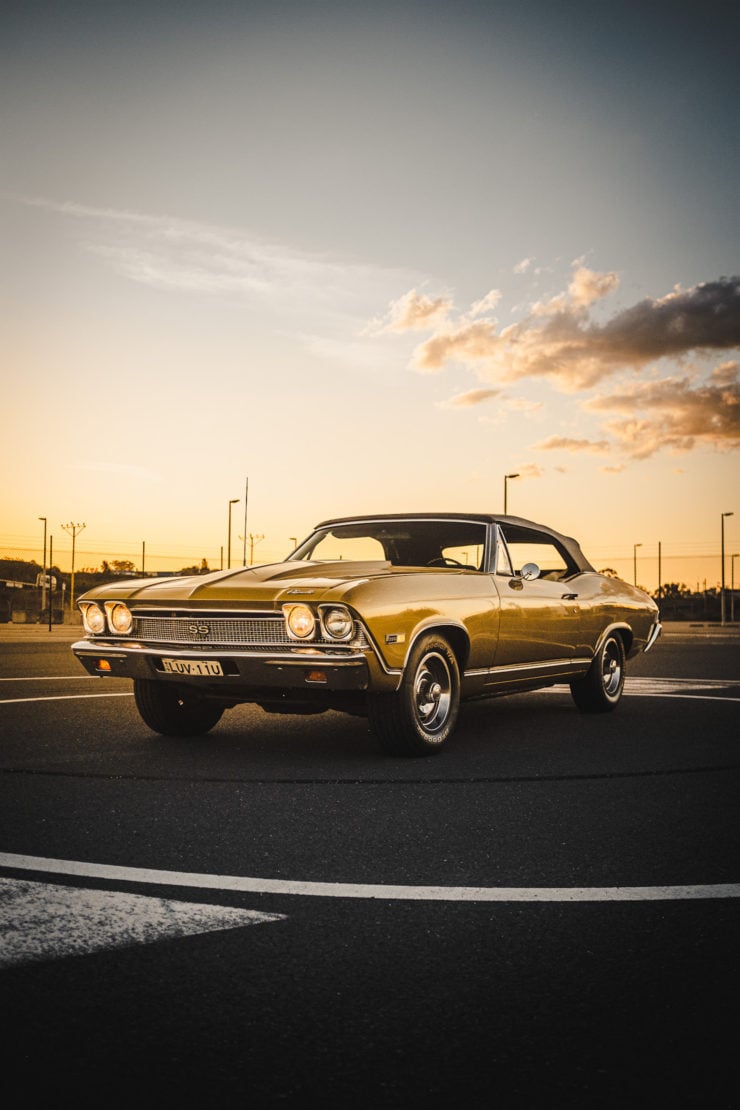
{"points": [[529, 670]]}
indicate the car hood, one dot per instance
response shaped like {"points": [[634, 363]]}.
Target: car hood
{"points": [[262, 584]]}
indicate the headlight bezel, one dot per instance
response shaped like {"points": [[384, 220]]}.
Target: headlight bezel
{"points": [[88, 610], [126, 618], [292, 614], [326, 612]]}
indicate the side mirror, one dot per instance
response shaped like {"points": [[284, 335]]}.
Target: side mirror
{"points": [[529, 572]]}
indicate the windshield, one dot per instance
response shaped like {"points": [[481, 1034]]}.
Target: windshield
{"points": [[403, 543]]}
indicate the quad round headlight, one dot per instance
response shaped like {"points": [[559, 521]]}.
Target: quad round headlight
{"points": [[120, 618], [337, 622], [93, 618], [300, 621]]}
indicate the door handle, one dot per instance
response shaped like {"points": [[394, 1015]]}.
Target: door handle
{"points": [[569, 597]]}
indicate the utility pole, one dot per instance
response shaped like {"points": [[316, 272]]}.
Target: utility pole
{"points": [[722, 598], [43, 580], [634, 560], [246, 502], [143, 556], [234, 501], [51, 588], [252, 541], [74, 530]]}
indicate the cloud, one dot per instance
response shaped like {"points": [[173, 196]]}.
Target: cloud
{"points": [[185, 255], [412, 312], [567, 443], [586, 287], [523, 266], [530, 470], [675, 413], [486, 304], [560, 341], [472, 397]]}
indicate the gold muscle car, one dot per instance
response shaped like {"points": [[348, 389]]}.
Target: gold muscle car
{"points": [[397, 618]]}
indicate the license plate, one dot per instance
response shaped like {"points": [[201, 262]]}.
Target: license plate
{"points": [[207, 667]]}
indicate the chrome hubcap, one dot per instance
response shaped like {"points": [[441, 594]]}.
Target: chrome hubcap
{"points": [[611, 669], [432, 692]]}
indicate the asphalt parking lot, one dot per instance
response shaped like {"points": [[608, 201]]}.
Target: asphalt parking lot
{"points": [[546, 912]]}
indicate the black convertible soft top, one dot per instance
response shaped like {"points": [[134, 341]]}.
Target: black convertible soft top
{"points": [[572, 546]]}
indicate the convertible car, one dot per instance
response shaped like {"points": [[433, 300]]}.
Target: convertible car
{"points": [[397, 618]]}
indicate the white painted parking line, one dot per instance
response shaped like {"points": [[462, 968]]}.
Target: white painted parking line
{"points": [[51, 678], [246, 885], [65, 697], [40, 921]]}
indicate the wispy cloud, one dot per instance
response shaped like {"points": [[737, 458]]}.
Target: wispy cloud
{"points": [[412, 312], [171, 253], [472, 397], [568, 443]]}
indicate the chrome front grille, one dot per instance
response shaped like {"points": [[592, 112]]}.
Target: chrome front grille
{"points": [[258, 632]]}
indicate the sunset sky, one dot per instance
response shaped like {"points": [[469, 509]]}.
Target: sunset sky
{"points": [[370, 256]]}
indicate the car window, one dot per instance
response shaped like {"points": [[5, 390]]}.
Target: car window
{"points": [[545, 555], [404, 543], [469, 556], [528, 546], [503, 562], [361, 548]]}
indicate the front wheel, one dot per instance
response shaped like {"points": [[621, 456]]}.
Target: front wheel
{"points": [[420, 716], [601, 687], [174, 710]]}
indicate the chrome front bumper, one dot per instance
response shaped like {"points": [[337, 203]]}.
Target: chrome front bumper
{"points": [[243, 671]]}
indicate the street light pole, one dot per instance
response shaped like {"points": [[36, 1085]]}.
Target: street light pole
{"points": [[246, 502], [732, 588], [51, 589], [634, 559], [43, 580], [722, 595], [506, 492], [233, 501]]}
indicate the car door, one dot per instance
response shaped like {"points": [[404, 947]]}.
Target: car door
{"points": [[539, 617]]}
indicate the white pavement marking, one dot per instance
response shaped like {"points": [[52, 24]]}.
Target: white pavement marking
{"points": [[685, 688], [39, 921], [52, 678], [368, 890], [65, 697]]}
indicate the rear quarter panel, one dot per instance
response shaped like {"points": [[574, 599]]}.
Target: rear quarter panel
{"points": [[606, 602]]}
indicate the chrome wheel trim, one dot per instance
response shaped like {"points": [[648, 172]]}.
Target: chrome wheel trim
{"points": [[611, 668], [432, 692]]}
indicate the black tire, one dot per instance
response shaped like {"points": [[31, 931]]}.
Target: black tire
{"points": [[600, 689], [174, 710], [419, 718]]}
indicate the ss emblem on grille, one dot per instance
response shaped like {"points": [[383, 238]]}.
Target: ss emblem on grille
{"points": [[199, 629]]}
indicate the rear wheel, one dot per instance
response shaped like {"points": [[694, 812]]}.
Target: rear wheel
{"points": [[420, 716], [174, 710], [600, 689]]}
